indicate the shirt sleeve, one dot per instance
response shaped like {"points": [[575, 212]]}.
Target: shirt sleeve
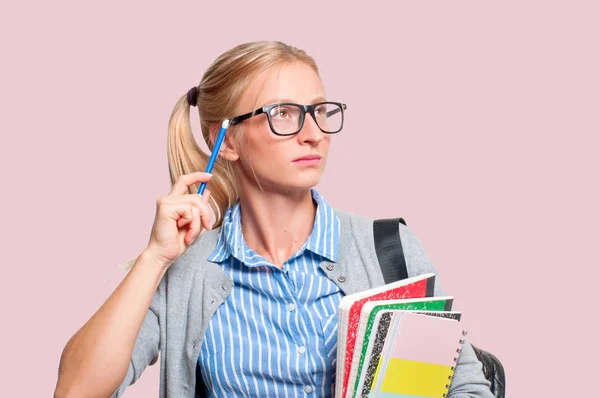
{"points": [[146, 347], [469, 380]]}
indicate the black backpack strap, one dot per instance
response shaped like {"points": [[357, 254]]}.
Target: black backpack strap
{"points": [[388, 247]]}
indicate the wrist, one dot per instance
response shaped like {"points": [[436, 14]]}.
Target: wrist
{"points": [[151, 259]]}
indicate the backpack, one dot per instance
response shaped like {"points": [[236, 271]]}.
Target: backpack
{"points": [[390, 255]]}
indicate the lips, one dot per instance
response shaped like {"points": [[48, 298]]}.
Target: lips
{"points": [[308, 158]]}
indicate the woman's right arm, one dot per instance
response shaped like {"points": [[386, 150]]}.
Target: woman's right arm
{"points": [[98, 358]]}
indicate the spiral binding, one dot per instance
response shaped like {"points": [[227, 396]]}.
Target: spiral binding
{"points": [[453, 368]]}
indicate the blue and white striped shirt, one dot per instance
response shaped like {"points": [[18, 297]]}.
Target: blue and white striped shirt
{"points": [[276, 334]]}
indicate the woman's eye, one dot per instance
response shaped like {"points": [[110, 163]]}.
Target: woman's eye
{"points": [[281, 113]]}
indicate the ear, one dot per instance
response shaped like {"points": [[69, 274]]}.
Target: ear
{"points": [[228, 150]]}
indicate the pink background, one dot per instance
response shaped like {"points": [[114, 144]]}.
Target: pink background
{"points": [[476, 121]]}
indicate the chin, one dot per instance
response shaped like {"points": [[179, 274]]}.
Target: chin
{"points": [[303, 181], [307, 182], [291, 179]]}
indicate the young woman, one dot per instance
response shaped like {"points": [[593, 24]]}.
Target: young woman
{"points": [[249, 307]]}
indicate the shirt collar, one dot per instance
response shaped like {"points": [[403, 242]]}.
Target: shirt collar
{"points": [[323, 240]]}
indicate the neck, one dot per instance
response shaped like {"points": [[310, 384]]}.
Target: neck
{"points": [[275, 224]]}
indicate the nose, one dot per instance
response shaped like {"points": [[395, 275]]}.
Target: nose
{"points": [[310, 132]]}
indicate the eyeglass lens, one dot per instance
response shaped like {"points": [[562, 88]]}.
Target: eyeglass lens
{"points": [[287, 119]]}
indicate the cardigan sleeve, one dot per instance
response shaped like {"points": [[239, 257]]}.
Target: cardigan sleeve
{"points": [[146, 347], [469, 380]]}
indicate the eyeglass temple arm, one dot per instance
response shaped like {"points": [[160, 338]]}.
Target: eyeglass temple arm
{"points": [[241, 118], [336, 110]]}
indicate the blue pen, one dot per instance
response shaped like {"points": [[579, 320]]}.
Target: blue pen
{"points": [[215, 153]]}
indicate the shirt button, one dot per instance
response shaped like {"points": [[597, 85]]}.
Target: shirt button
{"points": [[307, 389], [341, 279], [291, 307], [301, 350], [330, 267]]}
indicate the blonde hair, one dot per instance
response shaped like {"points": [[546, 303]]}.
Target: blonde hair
{"points": [[219, 90]]}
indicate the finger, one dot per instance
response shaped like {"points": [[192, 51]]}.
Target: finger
{"points": [[184, 181], [186, 218], [205, 209], [207, 222], [196, 201], [181, 213], [206, 196], [183, 221], [205, 215], [194, 229]]}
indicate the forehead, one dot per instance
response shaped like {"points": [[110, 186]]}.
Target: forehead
{"points": [[297, 82]]}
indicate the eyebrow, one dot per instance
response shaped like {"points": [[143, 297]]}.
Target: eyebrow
{"points": [[282, 100]]}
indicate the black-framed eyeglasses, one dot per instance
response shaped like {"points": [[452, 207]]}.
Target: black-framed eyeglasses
{"points": [[288, 118]]}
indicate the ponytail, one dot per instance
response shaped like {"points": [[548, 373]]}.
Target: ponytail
{"points": [[185, 156]]}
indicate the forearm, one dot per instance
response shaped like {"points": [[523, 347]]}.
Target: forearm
{"points": [[97, 357]]}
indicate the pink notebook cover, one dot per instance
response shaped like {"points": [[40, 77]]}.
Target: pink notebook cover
{"points": [[428, 339]]}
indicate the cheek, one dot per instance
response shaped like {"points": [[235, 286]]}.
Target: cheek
{"points": [[276, 152], [263, 147]]}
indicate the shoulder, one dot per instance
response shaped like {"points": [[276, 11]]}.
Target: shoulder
{"points": [[356, 223], [358, 230], [356, 237], [363, 226]]}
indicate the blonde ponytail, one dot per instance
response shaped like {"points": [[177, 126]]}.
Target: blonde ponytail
{"points": [[185, 156]]}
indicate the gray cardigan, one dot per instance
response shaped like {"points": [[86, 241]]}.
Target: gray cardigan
{"points": [[193, 288]]}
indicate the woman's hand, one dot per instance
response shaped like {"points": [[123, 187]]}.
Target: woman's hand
{"points": [[179, 218]]}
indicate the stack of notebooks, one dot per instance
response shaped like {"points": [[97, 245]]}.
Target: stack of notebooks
{"points": [[397, 340]]}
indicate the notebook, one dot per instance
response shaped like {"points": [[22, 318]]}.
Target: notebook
{"points": [[419, 356], [370, 358], [367, 319], [349, 311]]}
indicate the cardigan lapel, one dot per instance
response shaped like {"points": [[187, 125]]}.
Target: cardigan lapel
{"points": [[351, 272]]}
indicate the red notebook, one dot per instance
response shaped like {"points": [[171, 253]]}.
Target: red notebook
{"points": [[349, 318]]}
